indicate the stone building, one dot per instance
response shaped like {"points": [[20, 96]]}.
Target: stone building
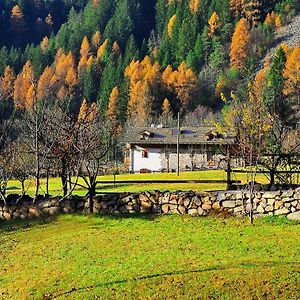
{"points": [[154, 149]]}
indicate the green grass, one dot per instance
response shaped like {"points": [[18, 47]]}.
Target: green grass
{"points": [[55, 183], [143, 257]]}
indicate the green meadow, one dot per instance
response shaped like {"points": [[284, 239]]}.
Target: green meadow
{"points": [[149, 257], [14, 186]]}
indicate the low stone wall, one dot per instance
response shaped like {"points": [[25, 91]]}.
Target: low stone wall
{"points": [[192, 203]]}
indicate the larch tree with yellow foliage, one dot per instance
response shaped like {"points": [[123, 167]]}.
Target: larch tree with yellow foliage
{"points": [[239, 48], [292, 75], [214, 23], [7, 84]]}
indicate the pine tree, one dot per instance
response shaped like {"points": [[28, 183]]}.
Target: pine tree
{"points": [[239, 49]]}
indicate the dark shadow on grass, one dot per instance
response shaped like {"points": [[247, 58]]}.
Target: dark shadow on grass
{"points": [[18, 224], [228, 267]]}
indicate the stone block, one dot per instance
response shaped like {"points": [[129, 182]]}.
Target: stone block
{"points": [[238, 209], [206, 206], [271, 194], [228, 204], [288, 199], [282, 211], [287, 194], [278, 204], [295, 216], [260, 209], [269, 208], [165, 208], [193, 212], [297, 196], [271, 201], [200, 211], [216, 206]]}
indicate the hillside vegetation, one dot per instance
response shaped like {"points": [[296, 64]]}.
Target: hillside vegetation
{"points": [[68, 93]]}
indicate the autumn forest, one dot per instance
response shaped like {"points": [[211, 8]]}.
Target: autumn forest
{"points": [[75, 74]]}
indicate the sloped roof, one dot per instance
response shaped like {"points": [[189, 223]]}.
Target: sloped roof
{"points": [[168, 136]]}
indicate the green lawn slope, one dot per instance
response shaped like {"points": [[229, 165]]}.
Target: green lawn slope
{"points": [[143, 257]]}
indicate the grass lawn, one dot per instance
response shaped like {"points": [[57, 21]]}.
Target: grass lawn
{"points": [[55, 183], [143, 257]]}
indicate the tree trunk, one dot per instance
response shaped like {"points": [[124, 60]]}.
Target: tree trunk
{"points": [[23, 186], [92, 194], [47, 182], [64, 176]]}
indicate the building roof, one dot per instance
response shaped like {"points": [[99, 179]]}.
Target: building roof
{"points": [[203, 135]]}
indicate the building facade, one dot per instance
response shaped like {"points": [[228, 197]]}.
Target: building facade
{"points": [[155, 149]]}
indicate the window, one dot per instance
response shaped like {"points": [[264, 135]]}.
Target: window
{"points": [[145, 154]]}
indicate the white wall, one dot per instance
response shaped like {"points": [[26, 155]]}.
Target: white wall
{"points": [[153, 162]]}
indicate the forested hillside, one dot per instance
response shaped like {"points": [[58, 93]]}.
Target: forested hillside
{"points": [[151, 57], [73, 74]]}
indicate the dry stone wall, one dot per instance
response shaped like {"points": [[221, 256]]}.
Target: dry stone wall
{"points": [[281, 203]]}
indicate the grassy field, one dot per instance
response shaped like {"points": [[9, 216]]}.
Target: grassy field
{"points": [[55, 183], [143, 257]]}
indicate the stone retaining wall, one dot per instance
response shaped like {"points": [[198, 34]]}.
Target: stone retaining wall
{"points": [[192, 203]]}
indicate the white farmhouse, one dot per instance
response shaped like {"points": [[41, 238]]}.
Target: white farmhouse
{"points": [[155, 149]]}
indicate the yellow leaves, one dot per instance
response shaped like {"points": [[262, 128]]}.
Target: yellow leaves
{"points": [[83, 111], [239, 45], [86, 113], [292, 74], [112, 111], [214, 23], [270, 19], [63, 63], [278, 22], [102, 49], [194, 6], [183, 81], [171, 25], [116, 49], [22, 84], [44, 44], [30, 97], [71, 78], [85, 47], [7, 83], [49, 20], [96, 39], [45, 82], [16, 12]]}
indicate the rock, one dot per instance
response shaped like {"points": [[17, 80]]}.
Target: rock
{"points": [[54, 210], [165, 208], [206, 206], [295, 216], [287, 194], [6, 215], [238, 209], [287, 204], [269, 208], [294, 203], [271, 201], [260, 209], [200, 211], [228, 204], [143, 198], [282, 211], [278, 204], [216, 205], [297, 196], [271, 194], [181, 210], [221, 196], [238, 202], [288, 199], [193, 212], [196, 200], [187, 202], [34, 211]]}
